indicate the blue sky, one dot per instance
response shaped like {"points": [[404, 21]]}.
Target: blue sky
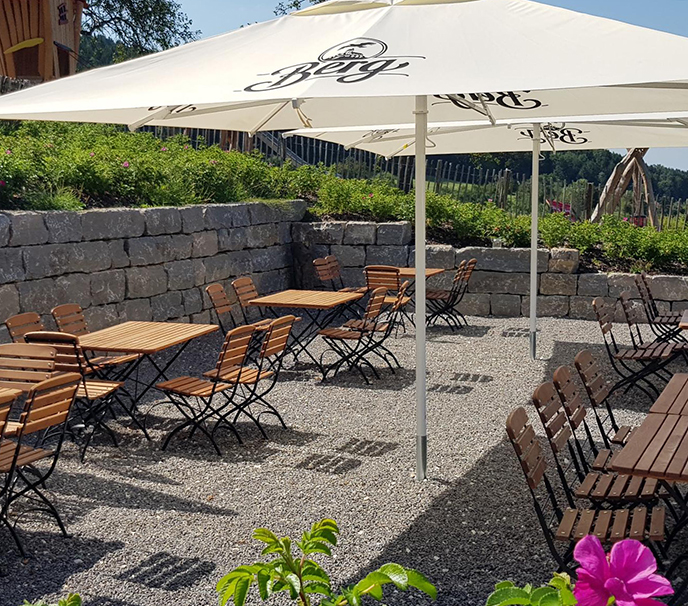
{"points": [[218, 16]]}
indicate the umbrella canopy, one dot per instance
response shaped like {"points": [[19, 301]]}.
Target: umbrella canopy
{"points": [[562, 134], [362, 62]]}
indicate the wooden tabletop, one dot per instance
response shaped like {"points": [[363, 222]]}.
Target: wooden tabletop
{"points": [[657, 449], [410, 272], [683, 324], [674, 397], [8, 395], [144, 337], [307, 299]]}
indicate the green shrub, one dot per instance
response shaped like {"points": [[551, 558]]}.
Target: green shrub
{"points": [[555, 229], [584, 236]]}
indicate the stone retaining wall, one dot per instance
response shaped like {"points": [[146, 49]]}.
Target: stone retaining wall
{"points": [[500, 284], [141, 264], [153, 264]]}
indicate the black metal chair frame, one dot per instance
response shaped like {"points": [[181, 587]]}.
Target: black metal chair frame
{"points": [[27, 481], [370, 334], [445, 308], [630, 377], [197, 417], [663, 331], [265, 373]]}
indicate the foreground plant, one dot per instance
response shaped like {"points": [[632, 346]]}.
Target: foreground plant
{"points": [[72, 599], [304, 579], [624, 577]]}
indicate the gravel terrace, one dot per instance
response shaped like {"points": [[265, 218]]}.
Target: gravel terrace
{"points": [[151, 528]]}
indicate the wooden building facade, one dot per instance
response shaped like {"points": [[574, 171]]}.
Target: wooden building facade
{"points": [[39, 39]]}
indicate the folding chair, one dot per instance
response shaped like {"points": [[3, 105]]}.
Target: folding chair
{"points": [[20, 324], [387, 277], [356, 340], [599, 392], [94, 397], [442, 303], [41, 423], [222, 307], [650, 359], [329, 272], [70, 319], [566, 526], [193, 397], [664, 325], [246, 291], [256, 381], [581, 465], [22, 366]]}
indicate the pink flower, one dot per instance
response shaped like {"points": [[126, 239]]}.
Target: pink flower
{"points": [[2, 183], [9, 152], [163, 149], [186, 147], [213, 161], [125, 164], [627, 574], [91, 154], [625, 218]]}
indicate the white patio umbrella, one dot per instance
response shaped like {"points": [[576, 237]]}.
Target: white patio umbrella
{"points": [[367, 62]]}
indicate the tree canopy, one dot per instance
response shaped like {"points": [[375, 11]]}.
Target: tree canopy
{"points": [[293, 5], [121, 29]]}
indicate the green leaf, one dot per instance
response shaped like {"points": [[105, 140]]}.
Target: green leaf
{"points": [[316, 587], [551, 599], [316, 547], [311, 571], [294, 585], [327, 535], [265, 535], [419, 581], [241, 590], [567, 598], [264, 584], [375, 592], [72, 599], [538, 594], [226, 586], [374, 579], [504, 585], [397, 574], [352, 596], [509, 596]]}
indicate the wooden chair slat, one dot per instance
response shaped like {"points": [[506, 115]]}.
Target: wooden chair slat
{"points": [[618, 532]]}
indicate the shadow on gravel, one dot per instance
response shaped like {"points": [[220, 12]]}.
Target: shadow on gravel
{"points": [[92, 491], [169, 572], [435, 333], [481, 530], [368, 448], [401, 379], [54, 559], [326, 463]]}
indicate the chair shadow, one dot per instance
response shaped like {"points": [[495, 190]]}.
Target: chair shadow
{"points": [[48, 570], [435, 333], [166, 571], [388, 381]]}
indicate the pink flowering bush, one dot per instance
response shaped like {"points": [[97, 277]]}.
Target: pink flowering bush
{"points": [[626, 576]]}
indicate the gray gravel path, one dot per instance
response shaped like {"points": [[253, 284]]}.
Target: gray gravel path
{"points": [[152, 528]]}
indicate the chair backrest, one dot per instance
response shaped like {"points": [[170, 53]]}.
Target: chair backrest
{"points": [[221, 303], [276, 338], [532, 459], [551, 411], [48, 403], [245, 290], [70, 318], [598, 390], [630, 316], [328, 270], [20, 324], [604, 312], [646, 296], [69, 357], [401, 296], [235, 348], [460, 270], [382, 276], [375, 304], [468, 271], [22, 365]]}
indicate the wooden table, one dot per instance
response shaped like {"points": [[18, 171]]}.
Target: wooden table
{"points": [[321, 307], [146, 339], [683, 324], [410, 272], [674, 397]]}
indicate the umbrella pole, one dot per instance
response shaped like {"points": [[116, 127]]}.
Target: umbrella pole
{"points": [[421, 115], [535, 194]]}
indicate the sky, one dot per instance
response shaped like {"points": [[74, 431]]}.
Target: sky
{"points": [[217, 16]]}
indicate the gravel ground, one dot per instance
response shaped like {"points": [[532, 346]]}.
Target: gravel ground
{"points": [[151, 528]]}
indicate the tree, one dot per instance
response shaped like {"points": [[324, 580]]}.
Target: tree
{"points": [[137, 27], [293, 5]]}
